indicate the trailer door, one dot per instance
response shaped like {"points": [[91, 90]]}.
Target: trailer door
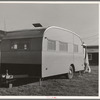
{"points": [[78, 54]]}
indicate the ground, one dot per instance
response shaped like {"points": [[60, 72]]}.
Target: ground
{"points": [[85, 85]]}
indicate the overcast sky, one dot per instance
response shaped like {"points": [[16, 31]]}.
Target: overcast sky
{"points": [[80, 18]]}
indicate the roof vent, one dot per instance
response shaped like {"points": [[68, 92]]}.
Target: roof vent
{"points": [[37, 25]]}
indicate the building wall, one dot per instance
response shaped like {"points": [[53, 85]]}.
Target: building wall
{"points": [[93, 55], [93, 58]]}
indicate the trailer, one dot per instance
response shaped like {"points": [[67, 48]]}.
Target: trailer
{"points": [[41, 52]]}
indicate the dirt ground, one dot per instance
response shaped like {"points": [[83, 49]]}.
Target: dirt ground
{"points": [[85, 85]]}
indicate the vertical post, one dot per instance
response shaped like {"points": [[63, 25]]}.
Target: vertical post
{"points": [[40, 81], [80, 73], [10, 85]]}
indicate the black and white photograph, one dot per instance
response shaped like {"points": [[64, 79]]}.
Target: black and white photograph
{"points": [[49, 49]]}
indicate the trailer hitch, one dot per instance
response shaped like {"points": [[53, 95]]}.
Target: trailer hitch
{"points": [[7, 76]]}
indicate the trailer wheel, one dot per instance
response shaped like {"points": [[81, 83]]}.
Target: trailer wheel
{"points": [[70, 73]]}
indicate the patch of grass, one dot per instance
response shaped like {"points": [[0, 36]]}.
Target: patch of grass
{"points": [[86, 85]]}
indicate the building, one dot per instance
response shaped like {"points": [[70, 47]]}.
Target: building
{"points": [[93, 54], [2, 34]]}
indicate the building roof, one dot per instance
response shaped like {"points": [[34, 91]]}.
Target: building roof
{"points": [[93, 49], [29, 33]]}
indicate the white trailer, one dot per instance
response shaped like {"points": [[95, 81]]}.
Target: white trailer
{"points": [[62, 52]]}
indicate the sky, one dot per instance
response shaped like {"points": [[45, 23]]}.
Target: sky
{"points": [[80, 18]]}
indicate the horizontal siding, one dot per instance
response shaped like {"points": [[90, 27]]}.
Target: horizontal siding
{"points": [[21, 57]]}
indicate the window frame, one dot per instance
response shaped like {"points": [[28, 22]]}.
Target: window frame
{"points": [[20, 42], [63, 44], [55, 45]]}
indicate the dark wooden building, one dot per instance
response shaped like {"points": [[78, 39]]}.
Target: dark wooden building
{"points": [[2, 34], [93, 54]]}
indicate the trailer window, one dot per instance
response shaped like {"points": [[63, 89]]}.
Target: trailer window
{"points": [[63, 46], [75, 48], [19, 45], [51, 45]]}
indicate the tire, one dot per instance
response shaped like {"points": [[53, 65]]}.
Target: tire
{"points": [[70, 73]]}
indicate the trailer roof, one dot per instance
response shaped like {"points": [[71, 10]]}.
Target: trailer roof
{"points": [[29, 33], [66, 30]]}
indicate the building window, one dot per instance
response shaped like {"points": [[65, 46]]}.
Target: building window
{"points": [[51, 45], [14, 46], [90, 56], [25, 46], [75, 48], [63, 46], [19, 45]]}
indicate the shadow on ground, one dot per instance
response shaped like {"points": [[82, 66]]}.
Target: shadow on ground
{"points": [[25, 81]]}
